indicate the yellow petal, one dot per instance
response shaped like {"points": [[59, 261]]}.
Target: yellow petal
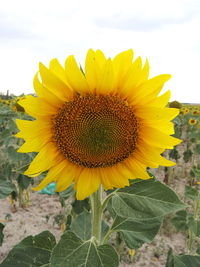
{"points": [[44, 93], [147, 152], [75, 76], [66, 177], [32, 129], [156, 138], [137, 169], [52, 176], [121, 65], [164, 127], [87, 183], [160, 101], [154, 113], [48, 157], [132, 78], [105, 85], [91, 70], [150, 89], [35, 144], [58, 70], [114, 177], [37, 107], [100, 58], [54, 84]]}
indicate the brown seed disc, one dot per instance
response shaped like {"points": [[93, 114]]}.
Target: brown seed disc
{"points": [[96, 131]]}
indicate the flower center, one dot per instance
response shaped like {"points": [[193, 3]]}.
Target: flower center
{"points": [[96, 131]]}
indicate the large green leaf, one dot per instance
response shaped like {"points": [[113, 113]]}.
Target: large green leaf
{"points": [[6, 188], [145, 200], [34, 251], [82, 226], [72, 251], [135, 233], [182, 260], [1, 233]]}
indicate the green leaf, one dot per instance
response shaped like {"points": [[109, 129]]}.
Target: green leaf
{"points": [[34, 251], [81, 225], [194, 226], [6, 188], [72, 251], [24, 181], [182, 260], [197, 148], [136, 233], [145, 200], [190, 192], [187, 155], [80, 205], [181, 220], [174, 154], [1, 233]]}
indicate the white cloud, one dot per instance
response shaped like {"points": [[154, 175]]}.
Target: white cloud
{"points": [[164, 31]]}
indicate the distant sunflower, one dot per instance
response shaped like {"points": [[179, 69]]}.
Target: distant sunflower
{"points": [[186, 111], [103, 125], [192, 121], [195, 112]]}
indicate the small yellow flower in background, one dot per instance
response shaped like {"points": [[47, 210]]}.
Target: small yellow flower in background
{"points": [[186, 111], [192, 121], [195, 113], [101, 126], [14, 108], [131, 252]]}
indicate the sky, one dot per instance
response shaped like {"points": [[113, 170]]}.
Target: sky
{"points": [[165, 32]]}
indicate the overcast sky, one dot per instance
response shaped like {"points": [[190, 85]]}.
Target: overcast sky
{"points": [[166, 32]]}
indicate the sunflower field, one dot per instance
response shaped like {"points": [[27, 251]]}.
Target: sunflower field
{"points": [[111, 187]]}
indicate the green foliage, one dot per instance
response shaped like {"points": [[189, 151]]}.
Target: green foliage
{"points": [[194, 226], [6, 188], [181, 220], [174, 154], [197, 148], [72, 251], [187, 155], [174, 260], [191, 192], [145, 200], [136, 233], [82, 226], [11, 161], [1, 233], [175, 104], [32, 251]]}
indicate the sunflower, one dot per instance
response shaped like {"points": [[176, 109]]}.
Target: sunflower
{"points": [[186, 111], [195, 112], [103, 125], [192, 121]]}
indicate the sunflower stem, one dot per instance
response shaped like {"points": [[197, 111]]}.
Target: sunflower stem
{"points": [[96, 207]]}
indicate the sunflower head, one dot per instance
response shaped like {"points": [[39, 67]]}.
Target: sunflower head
{"points": [[102, 125], [195, 113], [186, 111], [192, 121]]}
